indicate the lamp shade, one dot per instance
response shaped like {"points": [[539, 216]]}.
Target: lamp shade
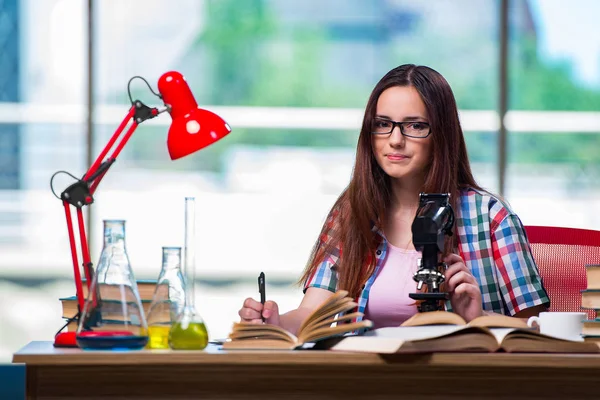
{"points": [[192, 128]]}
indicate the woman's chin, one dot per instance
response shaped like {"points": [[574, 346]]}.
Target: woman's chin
{"points": [[406, 176], [399, 173]]}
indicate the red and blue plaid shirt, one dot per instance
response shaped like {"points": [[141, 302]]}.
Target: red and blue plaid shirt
{"points": [[494, 246]]}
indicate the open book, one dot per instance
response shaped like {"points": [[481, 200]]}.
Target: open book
{"points": [[442, 331], [324, 322]]}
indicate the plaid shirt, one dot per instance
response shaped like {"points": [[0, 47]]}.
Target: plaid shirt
{"points": [[494, 246]]}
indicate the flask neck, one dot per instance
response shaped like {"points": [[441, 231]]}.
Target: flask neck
{"points": [[114, 233], [189, 250], [171, 258], [190, 288]]}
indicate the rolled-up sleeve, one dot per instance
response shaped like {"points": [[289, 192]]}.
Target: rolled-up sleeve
{"points": [[325, 275], [518, 275]]}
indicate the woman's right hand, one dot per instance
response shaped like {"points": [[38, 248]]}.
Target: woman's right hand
{"points": [[252, 310]]}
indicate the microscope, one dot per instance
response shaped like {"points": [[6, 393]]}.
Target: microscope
{"points": [[434, 220]]}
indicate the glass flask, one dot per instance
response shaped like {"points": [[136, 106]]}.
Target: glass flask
{"points": [[168, 299], [113, 317], [189, 331]]}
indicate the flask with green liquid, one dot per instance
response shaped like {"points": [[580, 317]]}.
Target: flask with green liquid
{"points": [[168, 299], [189, 331]]}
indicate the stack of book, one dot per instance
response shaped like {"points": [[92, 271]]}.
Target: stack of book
{"points": [[590, 299], [69, 304]]}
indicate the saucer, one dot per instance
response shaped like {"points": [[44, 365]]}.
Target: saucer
{"points": [[578, 338]]}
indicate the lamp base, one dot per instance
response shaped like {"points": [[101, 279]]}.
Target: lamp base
{"points": [[65, 339]]}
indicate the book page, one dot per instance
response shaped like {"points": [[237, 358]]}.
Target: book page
{"points": [[361, 344], [329, 313], [446, 317], [414, 332], [258, 344], [500, 333], [329, 321], [331, 306], [434, 318], [499, 321], [243, 331], [328, 331], [420, 339]]}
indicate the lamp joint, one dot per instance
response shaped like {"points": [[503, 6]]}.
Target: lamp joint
{"points": [[78, 194], [143, 112]]}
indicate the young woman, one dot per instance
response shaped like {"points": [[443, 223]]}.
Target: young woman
{"points": [[411, 142]]}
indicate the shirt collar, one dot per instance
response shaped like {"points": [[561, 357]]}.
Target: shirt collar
{"points": [[375, 229]]}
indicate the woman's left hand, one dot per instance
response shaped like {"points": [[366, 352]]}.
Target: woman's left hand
{"points": [[463, 288]]}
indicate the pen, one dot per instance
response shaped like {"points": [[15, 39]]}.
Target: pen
{"points": [[261, 290]]}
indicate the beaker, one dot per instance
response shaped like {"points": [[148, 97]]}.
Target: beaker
{"points": [[168, 299], [189, 331], [113, 316]]}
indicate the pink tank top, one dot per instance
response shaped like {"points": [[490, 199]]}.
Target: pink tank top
{"points": [[388, 303]]}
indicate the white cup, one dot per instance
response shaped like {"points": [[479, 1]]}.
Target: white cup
{"points": [[562, 325]]}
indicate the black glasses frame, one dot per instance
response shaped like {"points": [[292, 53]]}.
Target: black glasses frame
{"points": [[401, 126]]}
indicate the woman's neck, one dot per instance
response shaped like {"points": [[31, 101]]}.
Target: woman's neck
{"points": [[400, 216], [405, 195]]}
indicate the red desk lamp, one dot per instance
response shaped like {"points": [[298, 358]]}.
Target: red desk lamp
{"points": [[192, 129]]}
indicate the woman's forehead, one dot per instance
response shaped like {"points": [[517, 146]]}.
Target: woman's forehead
{"points": [[401, 102]]}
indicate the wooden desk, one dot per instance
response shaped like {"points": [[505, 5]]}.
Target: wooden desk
{"points": [[310, 374]]}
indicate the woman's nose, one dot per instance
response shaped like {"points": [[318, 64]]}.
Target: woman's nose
{"points": [[396, 137]]}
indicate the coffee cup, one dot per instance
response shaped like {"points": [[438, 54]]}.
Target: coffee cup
{"points": [[562, 325]]}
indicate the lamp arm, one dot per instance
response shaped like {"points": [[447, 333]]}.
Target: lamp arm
{"points": [[80, 193], [109, 145], [140, 113], [76, 272]]}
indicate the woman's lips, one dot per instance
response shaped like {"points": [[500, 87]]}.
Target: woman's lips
{"points": [[396, 157]]}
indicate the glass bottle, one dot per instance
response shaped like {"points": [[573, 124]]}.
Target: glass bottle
{"points": [[189, 331], [168, 299], [113, 316]]}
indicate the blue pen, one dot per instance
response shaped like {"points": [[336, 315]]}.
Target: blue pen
{"points": [[261, 290]]}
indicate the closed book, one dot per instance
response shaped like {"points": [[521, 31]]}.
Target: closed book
{"points": [[72, 325], [592, 339], [145, 288], [590, 299], [592, 272], [69, 306], [591, 327]]}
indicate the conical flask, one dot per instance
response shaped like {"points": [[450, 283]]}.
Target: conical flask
{"points": [[168, 299], [113, 316], [189, 331]]}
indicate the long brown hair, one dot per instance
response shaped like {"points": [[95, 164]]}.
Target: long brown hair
{"points": [[364, 203]]}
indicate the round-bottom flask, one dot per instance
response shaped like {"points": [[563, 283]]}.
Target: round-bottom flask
{"points": [[189, 331]]}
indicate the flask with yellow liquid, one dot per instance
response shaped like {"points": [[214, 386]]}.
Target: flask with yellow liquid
{"points": [[189, 331], [168, 299]]}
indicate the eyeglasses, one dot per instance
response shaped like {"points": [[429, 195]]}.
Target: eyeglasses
{"points": [[414, 129]]}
